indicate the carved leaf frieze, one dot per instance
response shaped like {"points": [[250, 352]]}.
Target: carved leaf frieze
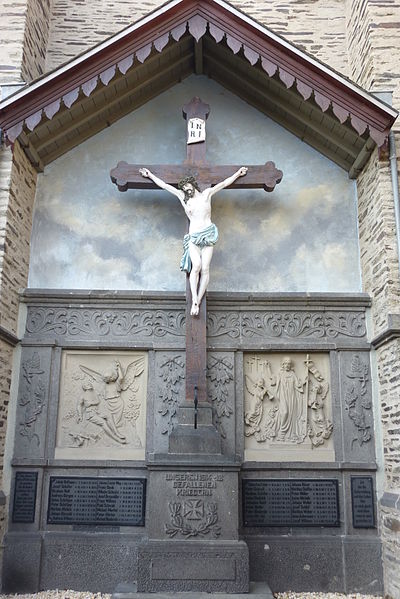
{"points": [[220, 375], [357, 399], [172, 373], [32, 399], [266, 324], [116, 323]]}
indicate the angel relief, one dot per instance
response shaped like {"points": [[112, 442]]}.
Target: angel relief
{"points": [[102, 401], [286, 406]]}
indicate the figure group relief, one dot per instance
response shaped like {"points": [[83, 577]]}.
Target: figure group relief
{"points": [[287, 401], [102, 402]]}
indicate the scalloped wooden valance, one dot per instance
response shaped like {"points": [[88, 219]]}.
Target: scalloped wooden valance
{"points": [[45, 97]]}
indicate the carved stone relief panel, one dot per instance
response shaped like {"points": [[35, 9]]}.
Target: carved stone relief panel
{"points": [[358, 429], [287, 407], [169, 393], [33, 397], [221, 395], [193, 505], [102, 409]]}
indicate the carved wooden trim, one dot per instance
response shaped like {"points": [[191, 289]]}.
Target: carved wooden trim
{"points": [[197, 18]]}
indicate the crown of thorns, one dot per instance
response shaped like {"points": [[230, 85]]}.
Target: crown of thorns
{"points": [[187, 180]]}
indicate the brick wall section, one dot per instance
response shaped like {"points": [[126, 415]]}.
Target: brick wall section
{"points": [[318, 27], [12, 14], [388, 359], [390, 526], [377, 233], [37, 27], [6, 352], [16, 223]]}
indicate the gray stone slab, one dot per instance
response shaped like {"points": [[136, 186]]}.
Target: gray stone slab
{"points": [[363, 565], [202, 566], [258, 590], [21, 563], [304, 563], [95, 562]]}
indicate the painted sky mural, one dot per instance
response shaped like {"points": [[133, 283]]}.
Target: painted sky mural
{"points": [[88, 235]]}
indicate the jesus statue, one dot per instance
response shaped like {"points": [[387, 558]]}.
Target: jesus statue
{"points": [[198, 244]]}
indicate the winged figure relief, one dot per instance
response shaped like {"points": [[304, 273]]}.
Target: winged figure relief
{"points": [[109, 404], [254, 415]]}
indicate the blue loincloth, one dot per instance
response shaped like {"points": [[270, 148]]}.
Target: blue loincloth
{"points": [[208, 236]]}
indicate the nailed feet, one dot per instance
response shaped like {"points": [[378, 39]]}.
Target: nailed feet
{"points": [[195, 309]]}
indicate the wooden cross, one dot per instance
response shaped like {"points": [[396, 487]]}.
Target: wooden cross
{"points": [[127, 176]]}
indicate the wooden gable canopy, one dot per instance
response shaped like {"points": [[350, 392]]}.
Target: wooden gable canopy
{"points": [[58, 111]]}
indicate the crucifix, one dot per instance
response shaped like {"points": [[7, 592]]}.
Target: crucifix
{"points": [[194, 182]]}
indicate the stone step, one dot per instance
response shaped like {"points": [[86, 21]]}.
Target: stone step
{"points": [[258, 590]]}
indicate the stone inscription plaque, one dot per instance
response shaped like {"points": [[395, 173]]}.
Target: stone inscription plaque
{"points": [[300, 502], [25, 497], [86, 500], [362, 502]]}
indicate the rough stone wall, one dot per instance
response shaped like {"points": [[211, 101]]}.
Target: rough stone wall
{"points": [[317, 26], [388, 359], [377, 233], [23, 39], [6, 352], [16, 222], [37, 27], [13, 14], [390, 527]]}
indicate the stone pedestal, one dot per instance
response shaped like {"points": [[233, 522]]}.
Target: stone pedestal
{"points": [[193, 531], [186, 439], [202, 566]]}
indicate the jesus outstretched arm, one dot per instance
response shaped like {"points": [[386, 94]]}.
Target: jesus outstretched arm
{"points": [[199, 243], [226, 182]]}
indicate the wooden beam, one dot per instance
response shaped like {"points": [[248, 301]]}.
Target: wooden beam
{"points": [[272, 98], [216, 51], [198, 56], [361, 159], [298, 131], [108, 105], [133, 75], [31, 152], [66, 147]]}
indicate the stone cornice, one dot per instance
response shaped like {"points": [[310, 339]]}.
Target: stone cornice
{"points": [[72, 296], [391, 332], [8, 337]]}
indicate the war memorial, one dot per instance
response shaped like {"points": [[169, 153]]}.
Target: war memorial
{"points": [[199, 390]]}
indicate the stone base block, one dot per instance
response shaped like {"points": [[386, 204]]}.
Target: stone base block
{"points": [[185, 439], [202, 566], [21, 563]]}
